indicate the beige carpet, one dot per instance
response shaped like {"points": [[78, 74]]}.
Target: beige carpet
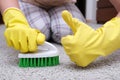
{"points": [[104, 68]]}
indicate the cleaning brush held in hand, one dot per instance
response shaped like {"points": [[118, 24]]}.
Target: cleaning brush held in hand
{"points": [[47, 55]]}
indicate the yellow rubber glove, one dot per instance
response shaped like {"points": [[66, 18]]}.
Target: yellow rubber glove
{"points": [[18, 33], [87, 44]]}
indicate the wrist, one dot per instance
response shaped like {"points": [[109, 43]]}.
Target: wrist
{"points": [[14, 16]]}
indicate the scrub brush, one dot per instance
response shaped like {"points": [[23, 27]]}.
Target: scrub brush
{"points": [[47, 55]]}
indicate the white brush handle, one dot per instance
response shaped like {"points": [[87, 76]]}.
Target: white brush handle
{"points": [[47, 46], [45, 50]]}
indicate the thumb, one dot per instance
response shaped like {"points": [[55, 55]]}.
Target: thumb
{"points": [[68, 19], [40, 38]]}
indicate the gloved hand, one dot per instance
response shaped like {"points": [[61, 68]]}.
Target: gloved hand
{"points": [[18, 33], [86, 44]]}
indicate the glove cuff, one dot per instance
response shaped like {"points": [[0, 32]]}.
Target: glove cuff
{"points": [[12, 15], [115, 20]]}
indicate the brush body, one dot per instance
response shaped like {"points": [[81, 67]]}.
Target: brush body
{"points": [[47, 55]]}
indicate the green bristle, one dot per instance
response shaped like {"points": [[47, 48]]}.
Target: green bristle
{"points": [[39, 62]]}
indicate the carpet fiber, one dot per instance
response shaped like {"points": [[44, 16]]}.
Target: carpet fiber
{"points": [[104, 68]]}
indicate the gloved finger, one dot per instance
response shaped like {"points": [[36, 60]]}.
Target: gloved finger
{"points": [[7, 37], [23, 43], [15, 43], [67, 41], [40, 38], [14, 37], [68, 19], [32, 38]]}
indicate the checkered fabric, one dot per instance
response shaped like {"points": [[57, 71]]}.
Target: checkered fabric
{"points": [[50, 22]]}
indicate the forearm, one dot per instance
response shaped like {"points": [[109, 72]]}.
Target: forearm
{"points": [[116, 4], [118, 15], [4, 4]]}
